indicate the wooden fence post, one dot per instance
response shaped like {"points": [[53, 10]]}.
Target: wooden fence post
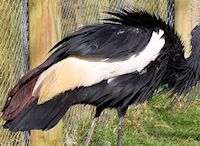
{"points": [[183, 22], [45, 31]]}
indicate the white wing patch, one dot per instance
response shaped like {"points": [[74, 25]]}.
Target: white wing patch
{"points": [[74, 71]]}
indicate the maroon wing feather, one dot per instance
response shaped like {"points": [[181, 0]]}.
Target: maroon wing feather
{"points": [[20, 98]]}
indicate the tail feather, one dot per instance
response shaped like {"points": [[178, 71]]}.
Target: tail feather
{"points": [[43, 116]]}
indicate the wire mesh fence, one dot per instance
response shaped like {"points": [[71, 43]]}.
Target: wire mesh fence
{"points": [[75, 14], [81, 12], [14, 57]]}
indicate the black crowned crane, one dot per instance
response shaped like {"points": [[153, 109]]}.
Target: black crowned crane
{"points": [[110, 65]]}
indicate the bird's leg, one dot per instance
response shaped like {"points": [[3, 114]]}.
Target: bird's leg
{"points": [[93, 126], [120, 131], [91, 131], [121, 115]]}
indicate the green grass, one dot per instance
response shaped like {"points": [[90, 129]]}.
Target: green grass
{"points": [[152, 124]]}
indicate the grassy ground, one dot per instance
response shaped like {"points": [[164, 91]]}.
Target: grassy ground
{"points": [[152, 124]]}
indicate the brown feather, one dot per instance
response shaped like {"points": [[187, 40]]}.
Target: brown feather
{"points": [[30, 75], [19, 101]]}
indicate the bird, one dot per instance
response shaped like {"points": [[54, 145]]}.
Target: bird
{"points": [[113, 64]]}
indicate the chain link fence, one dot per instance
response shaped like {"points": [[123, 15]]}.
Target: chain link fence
{"points": [[14, 57], [75, 14]]}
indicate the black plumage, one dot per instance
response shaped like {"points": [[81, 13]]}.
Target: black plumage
{"points": [[94, 39], [184, 73], [127, 33]]}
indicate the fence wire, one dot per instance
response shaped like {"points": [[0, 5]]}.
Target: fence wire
{"points": [[78, 13], [14, 57]]}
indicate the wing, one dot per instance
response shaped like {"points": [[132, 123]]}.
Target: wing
{"points": [[87, 57], [122, 90], [77, 71], [105, 40]]}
